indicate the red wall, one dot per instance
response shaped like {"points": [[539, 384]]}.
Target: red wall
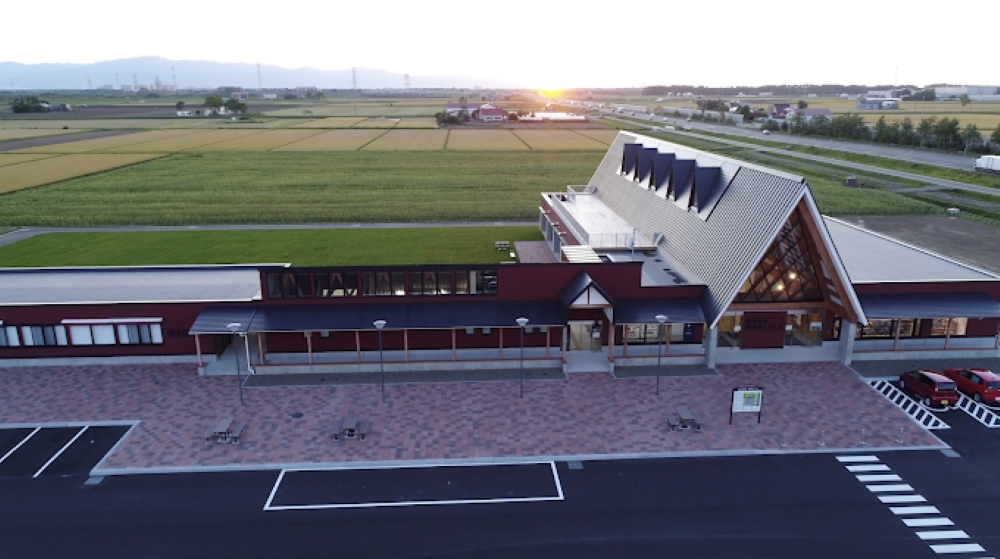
{"points": [[177, 320]]}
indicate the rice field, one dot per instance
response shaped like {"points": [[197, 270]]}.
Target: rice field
{"points": [[262, 141], [558, 140], [484, 140], [604, 136], [332, 122], [15, 134], [45, 171], [98, 144], [77, 125], [334, 140], [377, 123], [409, 140], [183, 143], [15, 158], [417, 123]]}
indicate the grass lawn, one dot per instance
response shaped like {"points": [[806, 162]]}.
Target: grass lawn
{"points": [[336, 187], [301, 247]]}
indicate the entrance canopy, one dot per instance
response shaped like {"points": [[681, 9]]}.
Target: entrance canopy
{"points": [[644, 311], [931, 305], [302, 318]]}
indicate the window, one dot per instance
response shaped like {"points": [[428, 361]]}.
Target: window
{"points": [[10, 337], [139, 334], [876, 329], [444, 283], [368, 283], [462, 282], [416, 283], [81, 335], [490, 283], [304, 285], [288, 288], [430, 283], [118, 331], [475, 282], [399, 283], [274, 286], [470, 331], [486, 331], [383, 283], [43, 335], [103, 334], [323, 285], [941, 327]]}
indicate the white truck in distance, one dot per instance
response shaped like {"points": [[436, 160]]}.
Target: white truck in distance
{"points": [[988, 164]]}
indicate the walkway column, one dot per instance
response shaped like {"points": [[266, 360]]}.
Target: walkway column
{"points": [[711, 345], [357, 343], [309, 346], [454, 352], [845, 351], [501, 342], [197, 348]]}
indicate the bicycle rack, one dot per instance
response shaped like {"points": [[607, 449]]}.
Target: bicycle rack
{"points": [[918, 413], [978, 411]]}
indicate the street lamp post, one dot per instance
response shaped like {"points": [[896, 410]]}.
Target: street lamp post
{"points": [[522, 322], [234, 327], [379, 325], [662, 319]]}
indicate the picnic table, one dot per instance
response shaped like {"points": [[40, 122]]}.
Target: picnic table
{"points": [[225, 432], [688, 420], [350, 427]]}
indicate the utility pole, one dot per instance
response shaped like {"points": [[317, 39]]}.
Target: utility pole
{"points": [[406, 84], [354, 79], [173, 74], [89, 84], [260, 80]]}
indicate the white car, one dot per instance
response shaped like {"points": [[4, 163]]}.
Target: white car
{"points": [[767, 132]]}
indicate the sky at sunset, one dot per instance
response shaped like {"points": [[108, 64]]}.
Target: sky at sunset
{"points": [[538, 44]]}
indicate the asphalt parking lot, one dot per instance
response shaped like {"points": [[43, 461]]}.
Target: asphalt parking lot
{"points": [[56, 451]]}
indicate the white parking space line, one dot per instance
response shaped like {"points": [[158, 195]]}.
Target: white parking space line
{"points": [[943, 535], [555, 477], [900, 511], [888, 488], [959, 548], [919, 522], [61, 450], [860, 458], [891, 499], [868, 468], [878, 477], [24, 440]]}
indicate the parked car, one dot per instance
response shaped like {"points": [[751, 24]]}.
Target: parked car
{"points": [[767, 132], [932, 387], [979, 384]]}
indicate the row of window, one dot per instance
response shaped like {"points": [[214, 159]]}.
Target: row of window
{"points": [[305, 285], [81, 335], [468, 331], [911, 328]]}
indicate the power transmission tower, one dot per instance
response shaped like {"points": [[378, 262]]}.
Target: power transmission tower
{"points": [[135, 82], [173, 74], [260, 80], [89, 85], [406, 84], [354, 79]]}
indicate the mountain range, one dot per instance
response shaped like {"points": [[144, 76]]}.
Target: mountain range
{"points": [[201, 74]]}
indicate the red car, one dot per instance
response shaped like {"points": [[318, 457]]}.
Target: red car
{"points": [[933, 388], [979, 384]]}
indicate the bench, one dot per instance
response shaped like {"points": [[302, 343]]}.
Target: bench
{"points": [[673, 422], [363, 429], [350, 426], [687, 418], [338, 429], [236, 432], [220, 432], [502, 245]]}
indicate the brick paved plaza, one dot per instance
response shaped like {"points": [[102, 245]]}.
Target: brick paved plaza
{"points": [[587, 415]]}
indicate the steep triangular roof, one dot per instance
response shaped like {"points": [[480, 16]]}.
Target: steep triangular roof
{"points": [[582, 285], [737, 211]]}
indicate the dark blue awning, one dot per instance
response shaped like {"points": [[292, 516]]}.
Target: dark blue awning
{"points": [[644, 311], [214, 320], [930, 305], [488, 314]]}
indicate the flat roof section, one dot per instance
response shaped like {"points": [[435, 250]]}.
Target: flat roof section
{"points": [[871, 258], [595, 224], [128, 285]]}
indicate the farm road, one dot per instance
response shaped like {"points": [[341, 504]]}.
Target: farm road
{"points": [[21, 234]]}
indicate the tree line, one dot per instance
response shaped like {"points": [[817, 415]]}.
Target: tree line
{"points": [[933, 132]]}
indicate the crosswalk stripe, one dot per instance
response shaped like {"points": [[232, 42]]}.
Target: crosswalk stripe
{"points": [[868, 468], [957, 548], [917, 522], [858, 458], [943, 535], [900, 511], [887, 487], [889, 499], [878, 477]]}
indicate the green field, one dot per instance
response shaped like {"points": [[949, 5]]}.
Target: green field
{"points": [[301, 247], [337, 187]]}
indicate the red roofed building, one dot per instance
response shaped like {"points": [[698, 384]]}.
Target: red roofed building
{"points": [[491, 115]]}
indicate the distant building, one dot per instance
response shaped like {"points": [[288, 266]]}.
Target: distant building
{"points": [[185, 113], [491, 115], [269, 96], [876, 103], [239, 95], [809, 114], [456, 108], [779, 111], [975, 92]]}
